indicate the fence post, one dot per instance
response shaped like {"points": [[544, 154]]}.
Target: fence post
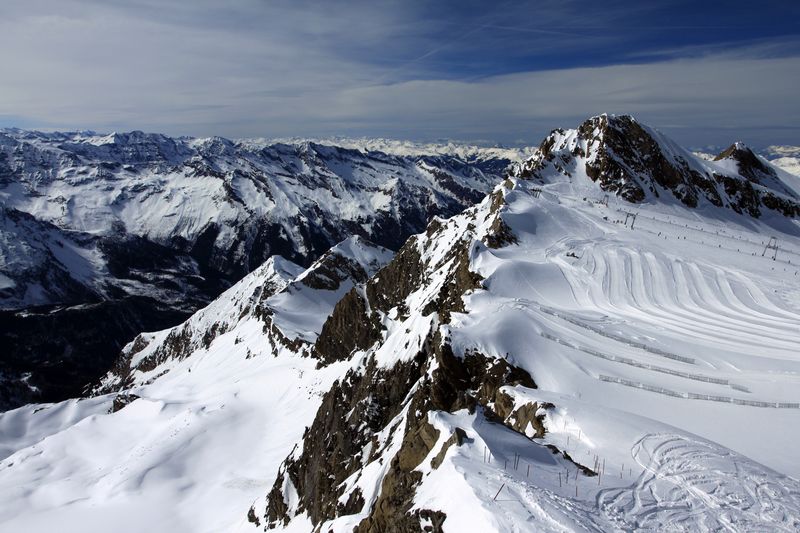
{"points": [[498, 492]]}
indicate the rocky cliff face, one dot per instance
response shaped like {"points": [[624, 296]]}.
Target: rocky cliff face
{"points": [[363, 457]]}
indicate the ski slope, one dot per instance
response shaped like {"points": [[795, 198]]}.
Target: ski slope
{"points": [[671, 352]]}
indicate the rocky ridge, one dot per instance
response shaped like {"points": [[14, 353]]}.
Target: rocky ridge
{"points": [[288, 302], [360, 460], [639, 164]]}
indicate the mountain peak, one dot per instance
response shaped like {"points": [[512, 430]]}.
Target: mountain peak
{"points": [[737, 150], [739, 158], [620, 155], [744, 156], [355, 258]]}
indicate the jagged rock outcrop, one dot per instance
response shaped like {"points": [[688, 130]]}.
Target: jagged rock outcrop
{"points": [[345, 435], [289, 302], [638, 164], [761, 187], [378, 416]]}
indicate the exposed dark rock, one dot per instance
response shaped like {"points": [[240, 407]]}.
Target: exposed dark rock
{"points": [[456, 439], [333, 268], [122, 400], [638, 155], [252, 517], [750, 166], [456, 383], [352, 411], [521, 418], [351, 326], [402, 276], [355, 502], [277, 511], [627, 159], [760, 187], [275, 333], [354, 323], [366, 402], [500, 234], [460, 279]]}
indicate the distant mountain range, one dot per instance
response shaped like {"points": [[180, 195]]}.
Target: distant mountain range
{"points": [[782, 156], [105, 236]]}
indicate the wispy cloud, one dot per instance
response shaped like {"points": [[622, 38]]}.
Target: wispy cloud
{"points": [[415, 70]]}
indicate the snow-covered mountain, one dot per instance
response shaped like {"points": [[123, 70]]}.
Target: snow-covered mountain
{"points": [[612, 373], [640, 164], [290, 303], [229, 205], [784, 157], [464, 151], [246, 351], [143, 229]]}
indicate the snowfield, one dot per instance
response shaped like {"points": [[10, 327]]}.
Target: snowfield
{"points": [[665, 349], [203, 439], [671, 353]]}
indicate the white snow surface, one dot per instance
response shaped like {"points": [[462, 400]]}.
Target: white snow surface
{"points": [[400, 147], [784, 156], [206, 436], [670, 351]]}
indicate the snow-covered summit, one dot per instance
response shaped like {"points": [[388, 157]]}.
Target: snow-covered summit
{"points": [[636, 162], [754, 168], [289, 302]]}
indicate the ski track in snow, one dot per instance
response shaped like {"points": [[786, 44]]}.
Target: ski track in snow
{"points": [[635, 292], [692, 485]]}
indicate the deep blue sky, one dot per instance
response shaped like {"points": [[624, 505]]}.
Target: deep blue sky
{"points": [[703, 72]]}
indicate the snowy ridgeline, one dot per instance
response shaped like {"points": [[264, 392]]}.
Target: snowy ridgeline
{"points": [[413, 402]]}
